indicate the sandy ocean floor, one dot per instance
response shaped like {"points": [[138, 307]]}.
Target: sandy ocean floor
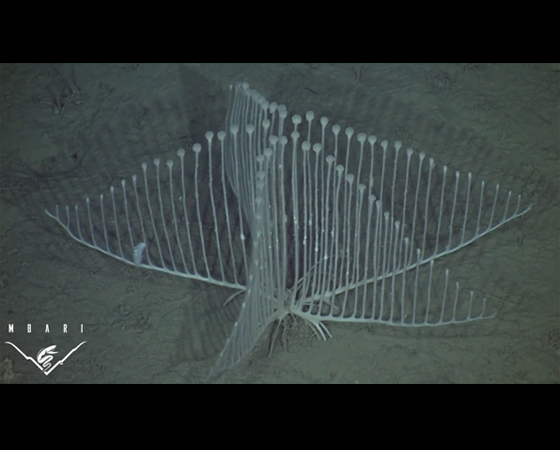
{"points": [[72, 130]]}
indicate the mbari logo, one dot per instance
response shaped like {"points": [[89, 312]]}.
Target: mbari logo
{"points": [[45, 356]]}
